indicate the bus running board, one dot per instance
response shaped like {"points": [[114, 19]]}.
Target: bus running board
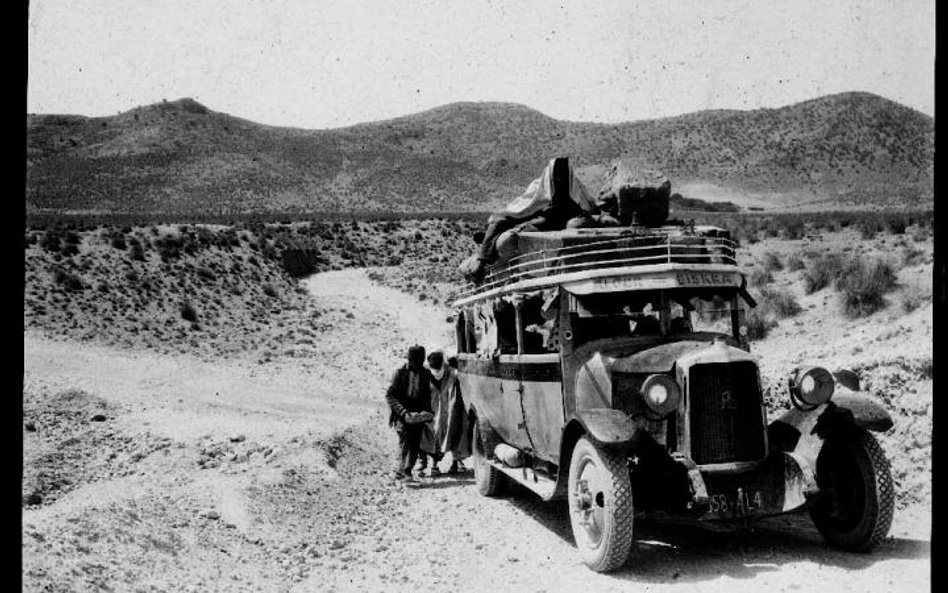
{"points": [[528, 478]]}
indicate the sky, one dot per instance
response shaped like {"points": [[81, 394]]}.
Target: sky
{"points": [[325, 64]]}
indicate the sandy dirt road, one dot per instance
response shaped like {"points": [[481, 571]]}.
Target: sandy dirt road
{"points": [[169, 473]]}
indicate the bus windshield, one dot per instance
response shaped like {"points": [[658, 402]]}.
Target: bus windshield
{"points": [[655, 313]]}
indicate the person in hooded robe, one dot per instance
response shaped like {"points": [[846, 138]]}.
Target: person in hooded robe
{"points": [[448, 431], [555, 200], [409, 400]]}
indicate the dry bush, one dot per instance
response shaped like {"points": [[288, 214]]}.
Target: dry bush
{"points": [[206, 273], [761, 277], [758, 324], [68, 281], [920, 234], [187, 312], [781, 303], [868, 227], [912, 256], [795, 262], [822, 271], [118, 241], [772, 262], [51, 241], [913, 300], [896, 224], [794, 229], [137, 253], [862, 286]]}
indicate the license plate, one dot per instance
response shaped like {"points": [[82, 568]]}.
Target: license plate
{"points": [[736, 504]]}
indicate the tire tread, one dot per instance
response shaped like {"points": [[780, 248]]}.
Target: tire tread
{"points": [[883, 503], [495, 484], [885, 489], [623, 513]]}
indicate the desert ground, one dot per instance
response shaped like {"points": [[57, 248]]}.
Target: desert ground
{"points": [[245, 448]]}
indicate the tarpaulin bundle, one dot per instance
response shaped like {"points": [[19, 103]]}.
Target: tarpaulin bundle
{"points": [[542, 191], [635, 195]]}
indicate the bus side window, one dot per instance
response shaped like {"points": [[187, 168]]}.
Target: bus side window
{"points": [[460, 332], [469, 335], [505, 316], [536, 329], [485, 329]]}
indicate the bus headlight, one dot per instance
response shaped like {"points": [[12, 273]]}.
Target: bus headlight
{"points": [[810, 387], [661, 394]]}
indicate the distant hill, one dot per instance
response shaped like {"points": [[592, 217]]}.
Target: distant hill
{"points": [[851, 149]]}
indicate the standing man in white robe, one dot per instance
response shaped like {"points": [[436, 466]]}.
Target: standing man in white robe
{"points": [[448, 431]]}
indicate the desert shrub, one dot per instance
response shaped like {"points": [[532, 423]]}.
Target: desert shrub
{"points": [[822, 271], [782, 303], [137, 252], [73, 238], [912, 257], [51, 241], [118, 241], [794, 230], [913, 300], [896, 224], [862, 285], [772, 262], [795, 262], [868, 227], [269, 290], [758, 324], [70, 282], [761, 277], [302, 262], [920, 234], [207, 274], [187, 312], [70, 249], [169, 247]]}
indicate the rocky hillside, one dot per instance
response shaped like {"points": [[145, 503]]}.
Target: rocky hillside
{"points": [[852, 149]]}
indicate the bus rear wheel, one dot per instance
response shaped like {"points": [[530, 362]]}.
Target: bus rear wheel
{"points": [[487, 479]]}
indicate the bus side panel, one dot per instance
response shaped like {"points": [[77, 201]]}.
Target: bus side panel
{"points": [[543, 404], [492, 388]]}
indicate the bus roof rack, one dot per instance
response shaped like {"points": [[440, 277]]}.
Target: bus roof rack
{"points": [[617, 258]]}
